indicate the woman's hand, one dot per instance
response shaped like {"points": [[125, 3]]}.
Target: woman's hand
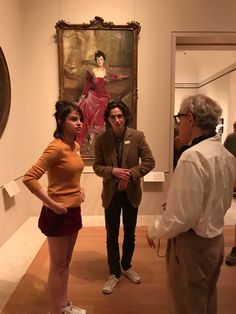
{"points": [[58, 208], [123, 76], [82, 97]]}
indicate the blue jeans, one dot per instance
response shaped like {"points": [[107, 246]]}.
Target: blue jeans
{"points": [[112, 220]]}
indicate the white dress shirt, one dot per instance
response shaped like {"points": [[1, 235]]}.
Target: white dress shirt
{"points": [[200, 192]]}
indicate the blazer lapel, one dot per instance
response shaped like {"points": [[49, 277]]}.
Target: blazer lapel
{"points": [[126, 147], [111, 146]]}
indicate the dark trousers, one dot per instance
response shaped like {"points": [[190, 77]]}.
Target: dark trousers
{"points": [[112, 220]]}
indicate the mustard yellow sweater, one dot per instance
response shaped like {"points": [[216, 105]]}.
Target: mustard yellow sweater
{"points": [[64, 166]]}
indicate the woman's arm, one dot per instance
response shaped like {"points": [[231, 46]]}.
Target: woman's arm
{"points": [[58, 208], [87, 85], [31, 178], [115, 76]]}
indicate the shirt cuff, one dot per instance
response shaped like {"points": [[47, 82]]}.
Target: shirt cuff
{"points": [[152, 229]]}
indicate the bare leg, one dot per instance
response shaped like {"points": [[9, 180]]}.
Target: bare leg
{"points": [[60, 251], [70, 248]]}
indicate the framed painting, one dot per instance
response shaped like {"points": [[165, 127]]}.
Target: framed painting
{"points": [[97, 64]]}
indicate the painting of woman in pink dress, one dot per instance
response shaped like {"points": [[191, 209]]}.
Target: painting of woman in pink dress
{"points": [[94, 98]]}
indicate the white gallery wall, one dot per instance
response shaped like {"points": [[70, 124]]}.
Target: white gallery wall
{"points": [[180, 94], [27, 37], [231, 102], [220, 90]]}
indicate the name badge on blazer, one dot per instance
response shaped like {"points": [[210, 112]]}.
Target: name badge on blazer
{"points": [[127, 142]]}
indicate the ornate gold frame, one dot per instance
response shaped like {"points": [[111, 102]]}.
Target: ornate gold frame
{"points": [[76, 46]]}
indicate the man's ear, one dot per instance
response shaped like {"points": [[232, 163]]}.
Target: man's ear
{"points": [[190, 117]]}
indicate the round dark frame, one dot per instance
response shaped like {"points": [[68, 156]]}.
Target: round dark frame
{"points": [[5, 92]]}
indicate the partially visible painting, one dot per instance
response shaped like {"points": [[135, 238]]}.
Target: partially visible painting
{"points": [[97, 64], [5, 92]]}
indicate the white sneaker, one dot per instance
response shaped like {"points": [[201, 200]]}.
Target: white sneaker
{"points": [[110, 284], [132, 275], [72, 309]]}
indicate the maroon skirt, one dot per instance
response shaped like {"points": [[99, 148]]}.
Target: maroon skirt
{"points": [[54, 225]]}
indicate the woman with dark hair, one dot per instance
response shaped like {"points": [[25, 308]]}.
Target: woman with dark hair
{"points": [[95, 97], [60, 218]]}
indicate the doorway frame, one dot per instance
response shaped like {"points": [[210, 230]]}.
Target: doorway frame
{"points": [[195, 41]]}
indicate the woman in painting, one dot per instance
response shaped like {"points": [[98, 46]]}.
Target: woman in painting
{"points": [[95, 97]]}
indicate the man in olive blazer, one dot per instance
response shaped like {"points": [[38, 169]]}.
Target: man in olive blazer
{"points": [[122, 157]]}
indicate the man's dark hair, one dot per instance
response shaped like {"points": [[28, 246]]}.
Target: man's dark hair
{"points": [[117, 104]]}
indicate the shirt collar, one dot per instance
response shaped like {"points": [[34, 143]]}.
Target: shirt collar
{"points": [[202, 137], [120, 138]]}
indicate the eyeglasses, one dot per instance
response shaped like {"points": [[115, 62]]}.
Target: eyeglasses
{"points": [[177, 117]]}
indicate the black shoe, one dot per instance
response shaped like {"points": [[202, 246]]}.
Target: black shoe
{"points": [[231, 258]]}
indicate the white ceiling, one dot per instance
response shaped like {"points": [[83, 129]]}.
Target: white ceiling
{"points": [[195, 66]]}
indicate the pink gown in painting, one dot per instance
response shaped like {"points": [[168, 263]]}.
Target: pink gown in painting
{"points": [[95, 97]]}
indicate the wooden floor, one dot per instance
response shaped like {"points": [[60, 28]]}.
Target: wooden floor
{"points": [[89, 272]]}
